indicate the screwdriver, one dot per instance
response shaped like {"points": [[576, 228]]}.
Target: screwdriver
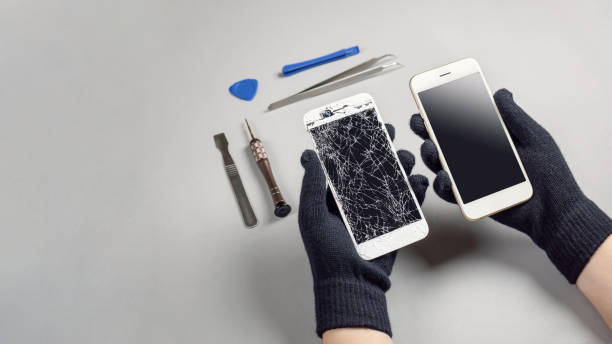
{"points": [[281, 208]]}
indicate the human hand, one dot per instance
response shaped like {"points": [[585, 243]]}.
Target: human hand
{"points": [[559, 217], [349, 291]]}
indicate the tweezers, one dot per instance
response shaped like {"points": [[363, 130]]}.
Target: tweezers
{"points": [[362, 71]]}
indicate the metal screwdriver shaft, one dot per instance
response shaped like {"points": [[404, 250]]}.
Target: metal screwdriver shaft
{"points": [[281, 208]]}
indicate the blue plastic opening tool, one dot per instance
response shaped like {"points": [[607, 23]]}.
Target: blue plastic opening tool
{"points": [[362, 71], [302, 66], [244, 89]]}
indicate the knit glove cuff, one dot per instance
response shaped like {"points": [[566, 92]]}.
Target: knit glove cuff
{"points": [[576, 235], [350, 303]]}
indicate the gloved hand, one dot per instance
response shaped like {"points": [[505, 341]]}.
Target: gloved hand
{"points": [[559, 218], [349, 291]]}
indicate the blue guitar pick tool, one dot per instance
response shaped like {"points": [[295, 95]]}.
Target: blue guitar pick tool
{"points": [[244, 89], [302, 66]]}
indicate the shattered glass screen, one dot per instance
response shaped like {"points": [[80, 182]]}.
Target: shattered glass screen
{"points": [[370, 187]]}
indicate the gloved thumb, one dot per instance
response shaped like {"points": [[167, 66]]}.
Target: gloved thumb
{"points": [[313, 184], [521, 126]]}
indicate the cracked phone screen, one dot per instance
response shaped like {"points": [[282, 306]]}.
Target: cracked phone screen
{"points": [[367, 178]]}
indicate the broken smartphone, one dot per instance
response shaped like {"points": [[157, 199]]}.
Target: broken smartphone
{"points": [[365, 176]]}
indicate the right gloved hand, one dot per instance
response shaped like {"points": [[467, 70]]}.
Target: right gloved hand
{"points": [[559, 218]]}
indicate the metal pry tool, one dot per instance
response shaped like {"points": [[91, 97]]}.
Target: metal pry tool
{"points": [[362, 71], [281, 208], [232, 173]]}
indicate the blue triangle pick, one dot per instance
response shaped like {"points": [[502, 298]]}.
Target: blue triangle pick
{"points": [[244, 89]]}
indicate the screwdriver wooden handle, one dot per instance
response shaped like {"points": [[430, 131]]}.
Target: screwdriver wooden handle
{"points": [[281, 207]]}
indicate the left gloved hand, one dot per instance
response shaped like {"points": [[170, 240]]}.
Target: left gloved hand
{"points": [[349, 291]]}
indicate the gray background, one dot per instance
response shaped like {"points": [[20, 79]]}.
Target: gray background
{"points": [[117, 223]]}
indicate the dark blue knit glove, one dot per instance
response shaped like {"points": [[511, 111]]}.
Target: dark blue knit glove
{"points": [[559, 218], [349, 291]]}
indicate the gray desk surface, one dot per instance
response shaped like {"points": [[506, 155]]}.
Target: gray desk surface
{"points": [[117, 223]]}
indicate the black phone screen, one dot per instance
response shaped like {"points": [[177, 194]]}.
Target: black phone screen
{"points": [[471, 137], [370, 187]]}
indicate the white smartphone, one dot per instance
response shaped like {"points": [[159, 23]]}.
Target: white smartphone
{"points": [[473, 144], [365, 176]]}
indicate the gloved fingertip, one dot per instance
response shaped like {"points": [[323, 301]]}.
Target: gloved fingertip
{"points": [[429, 154], [503, 93], [419, 179], [442, 187], [390, 130], [524, 129], [312, 196], [419, 184], [429, 148], [308, 157], [407, 159], [505, 102], [418, 126]]}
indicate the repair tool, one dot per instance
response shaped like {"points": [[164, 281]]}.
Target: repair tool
{"points": [[281, 208], [362, 71], [232, 173], [244, 89], [302, 66]]}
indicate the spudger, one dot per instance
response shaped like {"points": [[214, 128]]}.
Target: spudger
{"points": [[248, 215]]}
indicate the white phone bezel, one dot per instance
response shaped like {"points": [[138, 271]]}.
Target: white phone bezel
{"points": [[495, 202], [387, 242]]}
